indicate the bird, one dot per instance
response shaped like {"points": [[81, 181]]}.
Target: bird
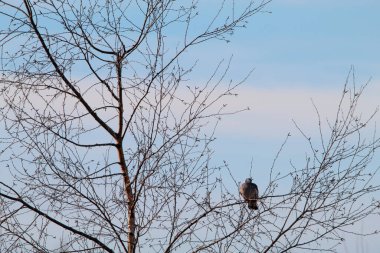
{"points": [[250, 193]]}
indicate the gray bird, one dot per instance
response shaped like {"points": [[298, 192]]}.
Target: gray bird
{"points": [[250, 193]]}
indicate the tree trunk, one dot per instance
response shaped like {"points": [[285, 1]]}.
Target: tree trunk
{"points": [[130, 201]]}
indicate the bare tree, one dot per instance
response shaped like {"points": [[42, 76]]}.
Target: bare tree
{"points": [[333, 189], [108, 145]]}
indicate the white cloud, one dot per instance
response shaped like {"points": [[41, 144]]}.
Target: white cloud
{"points": [[273, 109]]}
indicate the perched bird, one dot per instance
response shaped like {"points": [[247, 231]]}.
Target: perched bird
{"points": [[250, 193]]}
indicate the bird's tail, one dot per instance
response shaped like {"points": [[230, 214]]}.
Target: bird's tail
{"points": [[252, 204]]}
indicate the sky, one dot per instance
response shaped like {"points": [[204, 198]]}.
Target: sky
{"points": [[311, 43], [301, 50]]}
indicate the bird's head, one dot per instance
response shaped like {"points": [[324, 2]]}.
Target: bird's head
{"points": [[248, 180]]}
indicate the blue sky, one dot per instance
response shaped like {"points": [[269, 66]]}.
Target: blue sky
{"points": [[310, 43], [301, 50], [304, 50]]}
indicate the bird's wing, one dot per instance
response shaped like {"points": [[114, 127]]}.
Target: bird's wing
{"points": [[256, 192], [252, 191]]}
